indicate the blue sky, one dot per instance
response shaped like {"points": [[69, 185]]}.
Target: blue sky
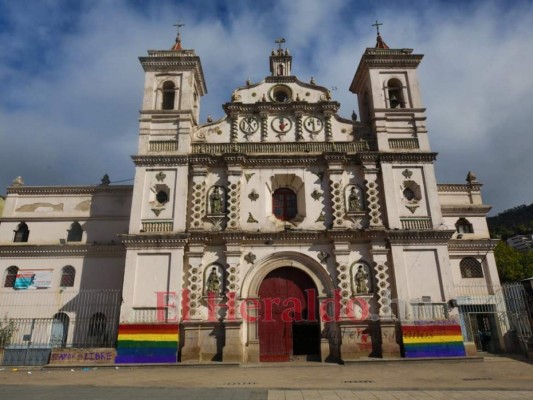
{"points": [[71, 84]]}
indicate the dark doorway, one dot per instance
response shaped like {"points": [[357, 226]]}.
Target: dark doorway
{"points": [[288, 318], [485, 332]]}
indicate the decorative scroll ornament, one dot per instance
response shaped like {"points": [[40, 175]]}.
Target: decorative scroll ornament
{"points": [[251, 219], [160, 176], [322, 256], [250, 258], [316, 195], [407, 174], [253, 195]]}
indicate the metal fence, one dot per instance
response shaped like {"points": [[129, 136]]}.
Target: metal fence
{"points": [[33, 323], [495, 317]]}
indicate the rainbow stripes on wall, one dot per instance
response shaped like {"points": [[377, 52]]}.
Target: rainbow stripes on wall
{"points": [[433, 340], [147, 343]]}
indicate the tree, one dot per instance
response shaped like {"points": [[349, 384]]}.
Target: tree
{"points": [[513, 265]]}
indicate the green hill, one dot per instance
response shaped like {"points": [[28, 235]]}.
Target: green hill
{"points": [[515, 221]]}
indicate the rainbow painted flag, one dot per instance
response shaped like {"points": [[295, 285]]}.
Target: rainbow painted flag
{"points": [[147, 343], [433, 341]]}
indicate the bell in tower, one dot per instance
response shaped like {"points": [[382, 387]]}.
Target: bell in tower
{"points": [[280, 60]]}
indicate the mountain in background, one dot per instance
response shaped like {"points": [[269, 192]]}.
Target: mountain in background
{"points": [[515, 221]]}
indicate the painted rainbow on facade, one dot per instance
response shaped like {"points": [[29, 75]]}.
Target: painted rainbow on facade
{"points": [[433, 341], [147, 343]]}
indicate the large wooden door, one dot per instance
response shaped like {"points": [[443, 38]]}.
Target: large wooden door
{"points": [[280, 291]]}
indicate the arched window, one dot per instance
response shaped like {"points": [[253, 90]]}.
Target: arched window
{"points": [[59, 334], [471, 268], [10, 276], [75, 232], [463, 226], [284, 204], [68, 274], [22, 233], [395, 91], [169, 94]]}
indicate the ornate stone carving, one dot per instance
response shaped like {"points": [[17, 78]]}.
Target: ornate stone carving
{"points": [[160, 176], [323, 256], [234, 204], [249, 176], [337, 202], [251, 219], [321, 217], [250, 258], [316, 195], [157, 211], [407, 174], [253, 195]]}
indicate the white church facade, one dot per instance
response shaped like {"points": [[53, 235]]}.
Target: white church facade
{"points": [[279, 232]]}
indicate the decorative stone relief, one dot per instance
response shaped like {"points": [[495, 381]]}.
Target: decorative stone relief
{"points": [[322, 256], [337, 203], [195, 288], [214, 280], [234, 205], [251, 219], [160, 176], [233, 278], [198, 204], [264, 126], [249, 176], [353, 199], [383, 288], [373, 200], [253, 195], [321, 217], [361, 282], [299, 130], [329, 135], [344, 283], [159, 196], [316, 195], [250, 258], [411, 192]]}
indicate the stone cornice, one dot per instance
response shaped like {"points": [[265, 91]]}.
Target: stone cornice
{"points": [[458, 187], [32, 216], [142, 241], [412, 237], [406, 158], [156, 160], [479, 210], [236, 108], [176, 60], [67, 190], [476, 245], [35, 251]]}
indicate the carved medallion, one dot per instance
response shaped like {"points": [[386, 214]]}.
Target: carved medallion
{"points": [[281, 124], [249, 125], [313, 124]]}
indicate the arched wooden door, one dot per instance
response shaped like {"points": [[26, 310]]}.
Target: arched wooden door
{"points": [[288, 317]]}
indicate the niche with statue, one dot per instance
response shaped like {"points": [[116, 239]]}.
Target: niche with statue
{"points": [[355, 205], [362, 282], [216, 207], [214, 281]]}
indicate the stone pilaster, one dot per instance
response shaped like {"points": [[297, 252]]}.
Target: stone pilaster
{"points": [[198, 196], [299, 127], [264, 126], [335, 172], [372, 196], [234, 193]]}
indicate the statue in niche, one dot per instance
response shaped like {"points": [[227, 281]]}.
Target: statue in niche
{"points": [[360, 278], [213, 283], [216, 201], [354, 204]]}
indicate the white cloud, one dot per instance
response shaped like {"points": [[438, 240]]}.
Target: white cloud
{"points": [[69, 96]]}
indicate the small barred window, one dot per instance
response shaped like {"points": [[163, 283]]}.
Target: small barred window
{"points": [[471, 268]]}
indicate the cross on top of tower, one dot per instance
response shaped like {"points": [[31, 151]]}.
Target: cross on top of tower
{"points": [[279, 42], [177, 45], [380, 44], [377, 25]]}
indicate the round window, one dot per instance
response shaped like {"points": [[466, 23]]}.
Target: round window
{"points": [[408, 194], [281, 94], [161, 197]]}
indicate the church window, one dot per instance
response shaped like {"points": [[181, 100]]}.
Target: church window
{"points": [[471, 268], [161, 197], [68, 274], [22, 233], [169, 94], [281, 94], [10, 276], [284, 204], [409, 194], [463, 226], [395, 92], [75, 232]]}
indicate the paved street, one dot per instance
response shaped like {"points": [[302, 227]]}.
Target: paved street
{"points": [[491, 378]]}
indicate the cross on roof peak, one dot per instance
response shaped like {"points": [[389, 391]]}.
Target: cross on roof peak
{"points": [[377, 25]]}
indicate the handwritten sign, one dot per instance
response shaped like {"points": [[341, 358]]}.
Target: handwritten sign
{"points": [[83, 356]]}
